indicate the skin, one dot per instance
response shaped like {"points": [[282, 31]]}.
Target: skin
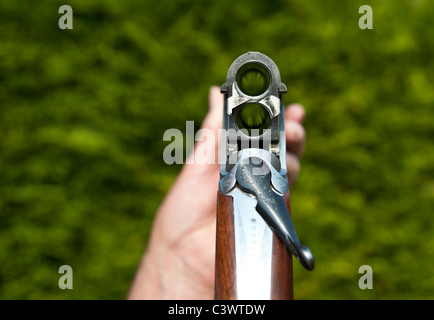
{"points": [[179, 260]]}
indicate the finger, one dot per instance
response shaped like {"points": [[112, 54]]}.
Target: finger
{"points": [[295, 112], [295, 137], [293, 167]]}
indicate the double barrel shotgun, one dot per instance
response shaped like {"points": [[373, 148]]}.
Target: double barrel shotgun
{"points": [[255, 234]]}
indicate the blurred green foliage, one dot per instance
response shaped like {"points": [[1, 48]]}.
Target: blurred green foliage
{"points": [[83, 112]]}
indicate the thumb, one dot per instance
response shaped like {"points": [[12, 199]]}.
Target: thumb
{"points": [[214, 117], [207, 147]]}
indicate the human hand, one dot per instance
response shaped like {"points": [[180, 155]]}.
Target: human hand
{"points": [[179, 259]]}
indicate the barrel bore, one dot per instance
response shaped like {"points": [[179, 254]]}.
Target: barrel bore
{"points": [[253, 116], [253, 79]]}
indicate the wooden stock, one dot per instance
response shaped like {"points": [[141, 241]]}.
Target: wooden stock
{"points": [[225, 270]]}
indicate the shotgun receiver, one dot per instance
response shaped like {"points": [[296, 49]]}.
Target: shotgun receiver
{"points": [[255, 234]]}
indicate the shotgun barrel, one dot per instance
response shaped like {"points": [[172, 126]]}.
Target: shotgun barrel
{"points": [[255, 234]]}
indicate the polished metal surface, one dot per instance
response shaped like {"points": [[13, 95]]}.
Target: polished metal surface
{"points": [[253, 249]]}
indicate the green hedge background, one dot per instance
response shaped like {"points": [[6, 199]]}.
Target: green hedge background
{"points": [[83, 112]]}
